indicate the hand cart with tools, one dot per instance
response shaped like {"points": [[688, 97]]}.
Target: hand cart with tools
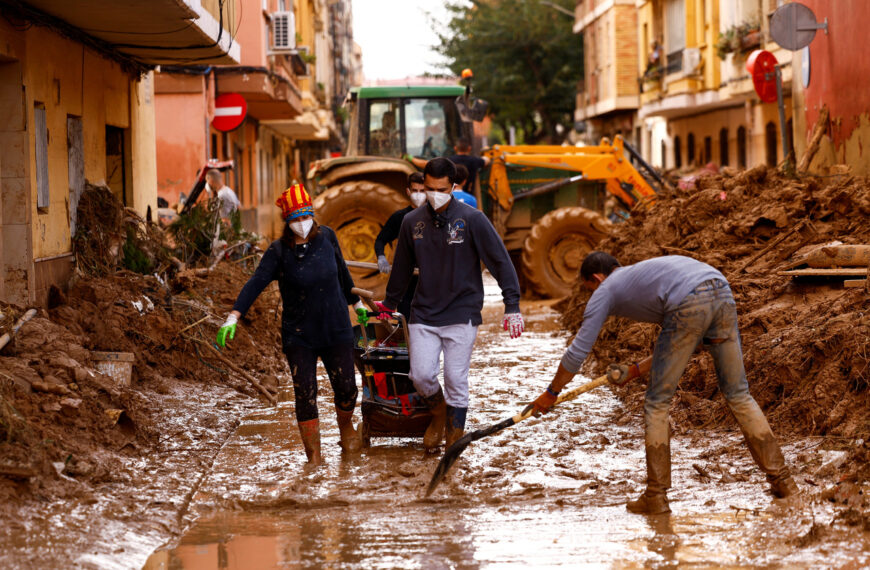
{"points": [[391, 406]]}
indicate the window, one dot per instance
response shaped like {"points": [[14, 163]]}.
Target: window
{"points": [[708, 149], [40, 134], [723, 147], [741, 147], [384, 135], [690, 149], [678, 153], [770, 143], [675, 33], [430, 127], [664, 151]]}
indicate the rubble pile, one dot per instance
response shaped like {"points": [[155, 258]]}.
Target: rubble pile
{"points": [[64, 419], [806, 341]]}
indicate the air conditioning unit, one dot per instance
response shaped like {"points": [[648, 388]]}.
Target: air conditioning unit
{"points": [[691, 60], [283, 32]]}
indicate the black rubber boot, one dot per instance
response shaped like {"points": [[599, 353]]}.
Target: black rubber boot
{"points": [[455, 423]]}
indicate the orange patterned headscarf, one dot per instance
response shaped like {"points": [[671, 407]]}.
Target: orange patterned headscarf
{"points": [[295, 202]]}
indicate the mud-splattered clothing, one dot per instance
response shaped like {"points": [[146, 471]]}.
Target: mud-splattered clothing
{"points": [[448, 249], [315, 291], [646, 292], [338, 361], [707, 315]]}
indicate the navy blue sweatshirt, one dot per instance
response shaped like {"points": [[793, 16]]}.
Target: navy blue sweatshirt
{"points": [[315, 291], [448, 249]]}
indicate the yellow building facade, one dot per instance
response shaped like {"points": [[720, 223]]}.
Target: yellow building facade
{"points": [[77, 108], [698, 104]]}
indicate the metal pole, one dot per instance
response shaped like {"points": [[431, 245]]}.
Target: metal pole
{"points": [[782, 124]]}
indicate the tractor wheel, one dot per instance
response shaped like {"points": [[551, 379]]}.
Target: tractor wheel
{"points": [[357, 211], [556, 246]]}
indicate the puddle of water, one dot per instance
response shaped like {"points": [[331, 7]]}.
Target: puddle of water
{"points": [[547, 492]]}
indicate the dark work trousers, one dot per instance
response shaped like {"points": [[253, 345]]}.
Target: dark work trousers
{"points": [[338, 361]]}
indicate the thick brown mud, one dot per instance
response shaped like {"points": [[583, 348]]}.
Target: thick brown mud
{"points": [[547, 492]]}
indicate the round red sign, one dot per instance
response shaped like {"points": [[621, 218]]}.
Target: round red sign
{"points": [[761, 65], [229, 111]]}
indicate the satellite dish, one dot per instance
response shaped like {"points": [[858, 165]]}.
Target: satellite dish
{"points": [[793, 26]]}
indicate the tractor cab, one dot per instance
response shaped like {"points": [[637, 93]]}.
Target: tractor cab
{"points": [[424, 122]]}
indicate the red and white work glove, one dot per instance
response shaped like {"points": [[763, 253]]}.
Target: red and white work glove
{"points": [[384, 312], [513, 322]]}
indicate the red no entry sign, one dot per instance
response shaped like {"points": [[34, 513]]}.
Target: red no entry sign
{"points": [[761, 65], [229, 111]]}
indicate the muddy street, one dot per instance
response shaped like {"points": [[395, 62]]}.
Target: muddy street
{"points": [[547, 492]]}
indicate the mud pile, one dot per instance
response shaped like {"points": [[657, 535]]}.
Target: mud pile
{"points": [[63, 422], [806, 342]]}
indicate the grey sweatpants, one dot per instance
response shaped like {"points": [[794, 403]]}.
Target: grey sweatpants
{"points": [[427, 344]]}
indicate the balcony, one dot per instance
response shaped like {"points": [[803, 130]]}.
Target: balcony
{"points": [[270, 96], [156, 32]]}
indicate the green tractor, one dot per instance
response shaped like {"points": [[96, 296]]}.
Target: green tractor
{"points": [[356, 193], [547, 202]]}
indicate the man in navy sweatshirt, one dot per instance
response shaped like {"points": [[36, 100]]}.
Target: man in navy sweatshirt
{"points": [[694, 306], [447, 240]]}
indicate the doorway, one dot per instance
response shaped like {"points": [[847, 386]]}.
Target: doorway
{"points": [[16, 255]]}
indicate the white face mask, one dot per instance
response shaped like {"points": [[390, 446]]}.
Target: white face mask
{"points": [[418, 199], [438, 199], [301, 228]]}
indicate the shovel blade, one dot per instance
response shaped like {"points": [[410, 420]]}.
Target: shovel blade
{"points": [[450, 456]]}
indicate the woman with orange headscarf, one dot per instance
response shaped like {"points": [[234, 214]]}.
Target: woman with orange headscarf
{"points": [[315, 291]]}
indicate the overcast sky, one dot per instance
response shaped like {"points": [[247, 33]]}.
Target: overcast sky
{"points": [[396, 37]]}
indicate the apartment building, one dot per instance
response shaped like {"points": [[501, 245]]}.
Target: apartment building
{"points": [[698, 104], [77, 105], [294, 69], [607, 100]]}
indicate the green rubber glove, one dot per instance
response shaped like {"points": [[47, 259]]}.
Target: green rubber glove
{"points": [[229, 329], [408, 157], [362, 316]]}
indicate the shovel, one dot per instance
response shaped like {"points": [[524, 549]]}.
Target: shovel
{"points": [[454, 451]]}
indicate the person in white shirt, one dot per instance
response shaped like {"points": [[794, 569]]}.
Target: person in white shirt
{"points": [[229, 202]]}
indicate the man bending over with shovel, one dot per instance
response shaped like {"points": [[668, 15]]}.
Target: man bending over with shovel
{"points": [[693, 304]]}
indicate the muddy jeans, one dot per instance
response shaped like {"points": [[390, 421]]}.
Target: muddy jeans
{"points": [[427, 343], [338, 361], [709, 315]]}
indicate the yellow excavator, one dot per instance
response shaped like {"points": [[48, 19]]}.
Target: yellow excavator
{"points": [[552, 204]]}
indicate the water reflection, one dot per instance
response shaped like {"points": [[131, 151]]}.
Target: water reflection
{"points": [[330, 538]]}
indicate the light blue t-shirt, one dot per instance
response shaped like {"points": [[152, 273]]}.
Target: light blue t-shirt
{"points": [[645, 292]]}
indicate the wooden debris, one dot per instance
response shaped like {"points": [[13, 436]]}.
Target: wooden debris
{"points": [[772, 244], [813, 147], [244, 374], [825, 272], [4, 340]]}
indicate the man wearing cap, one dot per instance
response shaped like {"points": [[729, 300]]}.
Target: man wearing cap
{"points": [[447, 240], [315, 290]]}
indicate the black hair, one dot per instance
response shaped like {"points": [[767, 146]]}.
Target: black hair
{"points": [[461, 174], [597, 262], [415, 178], [441, 168], [463, 144]]}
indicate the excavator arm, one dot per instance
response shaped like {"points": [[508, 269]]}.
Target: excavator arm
{"points": [[606, 162]]}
